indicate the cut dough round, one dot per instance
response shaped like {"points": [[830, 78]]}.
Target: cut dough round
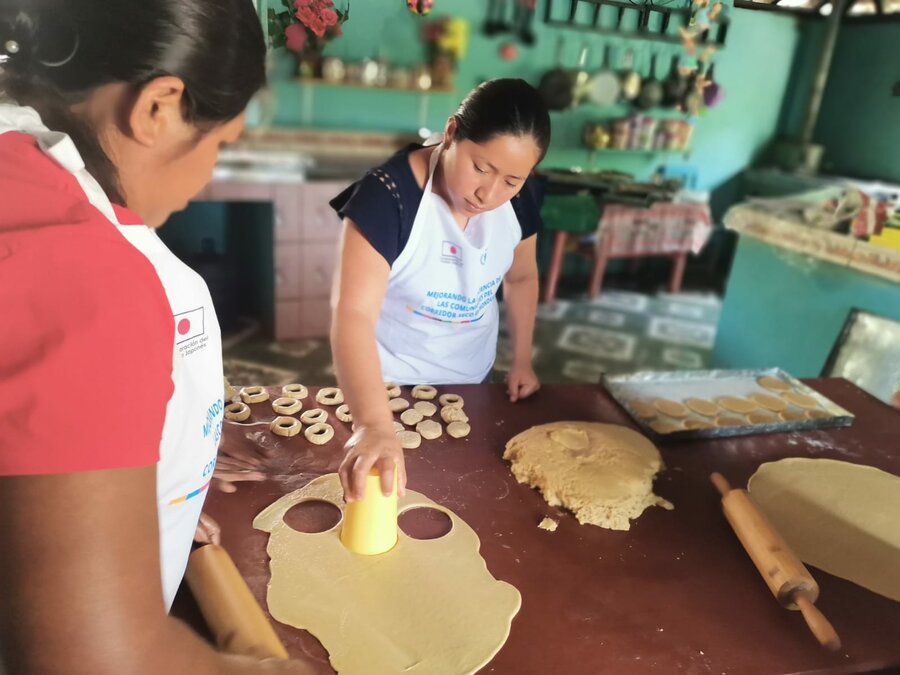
{"points": [[427, 408], [319, 434], [697, 424], [410, 440], [285, 426], [393, 389], [642, 409], [237, 412], [663, 427], [398, 404], [286, 405], [424, 392], [769, 402], [452, 400], [702, 407], [762, 418], [398, 426], [773, 383], [452, 414], [314, 416], [817, 414], [792, 415], [671, 408], [458, 429], [429, 429], [330, 396], [602, 472], [411, 417], [343, 413], [297, 391], [730, 421], [737, 404], [254, 394], [801, 400]]}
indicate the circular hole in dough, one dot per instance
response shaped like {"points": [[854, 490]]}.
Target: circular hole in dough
{"points": [[254, 394], [452, 401], [642, 409], [409, 440], [817, 414], [343, 413], [330, 396], [286, 405], [424, 392], [790, 415], [730, 421], [458, 429], [801, 400], [451, 414], [427, 408], [297, 391], [237, 412], [737, 404], [424, 523], [671, 408], [762, 418], [429, 429], [319, 434], [697, 424], [285, 426], [313, 516], [392, 388], [411, 417], [398, 404], [314, 416], [663, 427], [773, 383], [702, 407], [769, 402]]}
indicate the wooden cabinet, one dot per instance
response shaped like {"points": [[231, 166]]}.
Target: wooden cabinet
{"points": [[305, 239]]}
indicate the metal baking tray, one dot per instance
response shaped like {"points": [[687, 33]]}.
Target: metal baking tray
{"points": [[648, 386]]}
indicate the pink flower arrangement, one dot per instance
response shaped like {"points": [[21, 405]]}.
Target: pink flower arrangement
{"points": [[308, 24]]}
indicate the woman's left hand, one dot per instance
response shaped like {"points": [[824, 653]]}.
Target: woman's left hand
{"points": [[521, 381], [208, 531], [230, 470]]}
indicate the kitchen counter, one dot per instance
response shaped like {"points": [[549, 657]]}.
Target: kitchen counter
{"points": [[675, 594]]}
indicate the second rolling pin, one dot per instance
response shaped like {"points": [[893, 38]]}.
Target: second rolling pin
{"points": [[787, 577]]}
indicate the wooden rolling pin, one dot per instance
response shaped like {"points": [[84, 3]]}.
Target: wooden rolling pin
{"points": [[787, 577], [231, 612]]}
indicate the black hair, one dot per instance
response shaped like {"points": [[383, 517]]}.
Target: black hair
{"points": [[500, 107], [54, 53]]}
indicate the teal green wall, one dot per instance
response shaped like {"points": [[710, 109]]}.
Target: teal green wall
{"points": [[754, 68], [784, 309], [860, 119]]}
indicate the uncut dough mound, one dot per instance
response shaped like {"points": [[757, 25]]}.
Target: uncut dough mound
{"points": [[602, 472]]}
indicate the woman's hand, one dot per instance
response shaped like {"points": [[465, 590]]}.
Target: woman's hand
{"points": [[521, 381], [370, 448], [208, 531], [230, 470]]}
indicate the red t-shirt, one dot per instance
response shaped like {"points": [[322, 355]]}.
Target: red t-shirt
{"points": [[86, 332]]}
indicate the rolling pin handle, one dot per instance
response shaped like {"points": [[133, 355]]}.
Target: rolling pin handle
{"points": [[721, 484], [818, 624]]}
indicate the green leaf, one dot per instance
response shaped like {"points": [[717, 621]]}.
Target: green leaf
{"points": [[288, 5]]}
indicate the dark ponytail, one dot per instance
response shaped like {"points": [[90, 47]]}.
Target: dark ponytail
{"points": [[500, 107], [54, 53]]}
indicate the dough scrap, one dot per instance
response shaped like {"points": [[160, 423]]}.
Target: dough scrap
{"points": [[429, 429], [411, 417], [671, 408], [773, 383], [409, 440], [548, 524], [458, 429], [737, 404], [427, 408], [607, 483], [398, 404], [425, 392], [702, 407], [837, 516], [642, 409], [453, 414], [343, 413], [423, 607]]}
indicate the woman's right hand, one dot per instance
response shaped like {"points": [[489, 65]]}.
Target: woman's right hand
{"points": [[368, 448]]}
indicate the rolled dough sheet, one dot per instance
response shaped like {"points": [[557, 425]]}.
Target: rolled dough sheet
{"points": [[840, 517], [424, 607], [602, 472]]}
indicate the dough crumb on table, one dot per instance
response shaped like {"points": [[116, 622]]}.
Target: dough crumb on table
{"points": [[603, 473], [549, 524]]}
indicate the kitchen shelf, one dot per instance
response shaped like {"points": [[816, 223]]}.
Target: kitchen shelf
{"points": [[317, 82]]}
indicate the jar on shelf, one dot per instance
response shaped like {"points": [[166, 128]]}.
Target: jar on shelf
{"points": [[646, 133], [621, 131]]}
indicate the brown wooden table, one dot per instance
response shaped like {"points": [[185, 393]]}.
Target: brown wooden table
{"points": [[676, 594]]}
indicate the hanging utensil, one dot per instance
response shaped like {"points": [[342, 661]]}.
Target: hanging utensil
{"points": [[604, 87], [713, 93], [581, 76], [556, 84], [693, 97], [495, 22], [651, 90], [675, 86], [629, 78], [524, 18]]}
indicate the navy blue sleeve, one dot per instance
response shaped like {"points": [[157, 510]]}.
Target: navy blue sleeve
{"points": [[373, 204], [527, 205]]}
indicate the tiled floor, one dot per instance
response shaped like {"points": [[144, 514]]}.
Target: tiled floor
{"points": [[575, 341]]}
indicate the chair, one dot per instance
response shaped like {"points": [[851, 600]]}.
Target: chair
{"points": [[569, 216]]}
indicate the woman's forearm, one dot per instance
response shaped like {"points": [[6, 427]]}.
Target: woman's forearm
{"points": [[521, 298]]}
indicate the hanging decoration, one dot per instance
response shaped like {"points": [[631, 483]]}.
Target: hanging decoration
{"points": [[420, 7]]}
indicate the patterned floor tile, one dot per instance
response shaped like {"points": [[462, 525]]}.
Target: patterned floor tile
{"points": [[596, 342], [682, 332]]}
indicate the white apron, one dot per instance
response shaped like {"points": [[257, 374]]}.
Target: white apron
{"points": [[439, 320], [193, 423]]}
